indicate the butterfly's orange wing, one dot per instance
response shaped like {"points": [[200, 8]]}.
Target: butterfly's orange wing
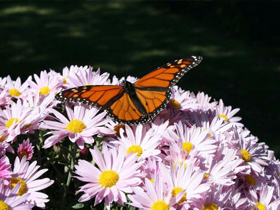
{"points": [[168, 74], [124, 110], [100, 95], [154, 89], [113, 98]]}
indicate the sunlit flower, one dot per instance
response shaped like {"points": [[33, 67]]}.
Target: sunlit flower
{"points": [[139, 141], [182, 100], [70, 72], [5, 168], [47, 83], [154, 196], [12, 120], [85, 76], [115, 175], [189, 179], [39, 107], [80, 125], [150, 169], [27, 174], [254, 154], [227, 114], [9, 199], [221, 168], [216, 199], [204, 103], [15, 88], [263, 198], [193, 139]]}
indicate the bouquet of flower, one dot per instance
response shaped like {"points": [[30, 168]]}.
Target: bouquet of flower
{"points": [[194, 155]]}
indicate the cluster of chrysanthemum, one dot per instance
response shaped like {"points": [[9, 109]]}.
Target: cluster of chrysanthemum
{"points": [[194, 155]]}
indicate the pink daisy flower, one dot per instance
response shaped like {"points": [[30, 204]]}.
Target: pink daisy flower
{"points": [[85, 76], [160, 127], [9, 198], [155, 195], [139, 141], [189, 179], [263, 198], [255, 155], [177, 155], [203, 101], [70, 72], [221, 168], [150, 169], [47, 83], [182, 100], [115, 175], [227, 114], [15, 88], [28, 175], [82, 124], [5, 168], [12, 120], [25, 149], [40, 107], [193, 139], [217, 198]]}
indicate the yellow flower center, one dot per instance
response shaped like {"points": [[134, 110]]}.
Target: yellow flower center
{"points": [[2, 138], [23, 153], [4, 206], [23, 187], [210, 206], [27, 126], [108, 178], [44, 90], [250, 180], [76, 126], [151, 180], [14, 92], [245, 155], [187, 146], [223, 116], [175, 104], [177, 190], [11, 121], [135, 149], [206, 176], [260, 206], [64, 80], [160, 205]]}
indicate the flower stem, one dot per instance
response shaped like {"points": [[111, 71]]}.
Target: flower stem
{"points": [[73, 158], [37, 139]]}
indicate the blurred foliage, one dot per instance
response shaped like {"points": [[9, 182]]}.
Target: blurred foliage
{"points": [[238, 40]]}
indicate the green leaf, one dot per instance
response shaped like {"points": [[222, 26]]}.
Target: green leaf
{"points": [[78, 206]]}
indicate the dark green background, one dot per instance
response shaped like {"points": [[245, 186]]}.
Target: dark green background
{"points": [[238, 40]]}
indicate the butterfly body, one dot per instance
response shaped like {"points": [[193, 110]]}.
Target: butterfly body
{"points": [[130, 89], [133, 103]]}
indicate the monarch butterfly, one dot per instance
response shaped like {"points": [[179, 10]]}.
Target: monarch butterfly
{"points": [[130, 103]]}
